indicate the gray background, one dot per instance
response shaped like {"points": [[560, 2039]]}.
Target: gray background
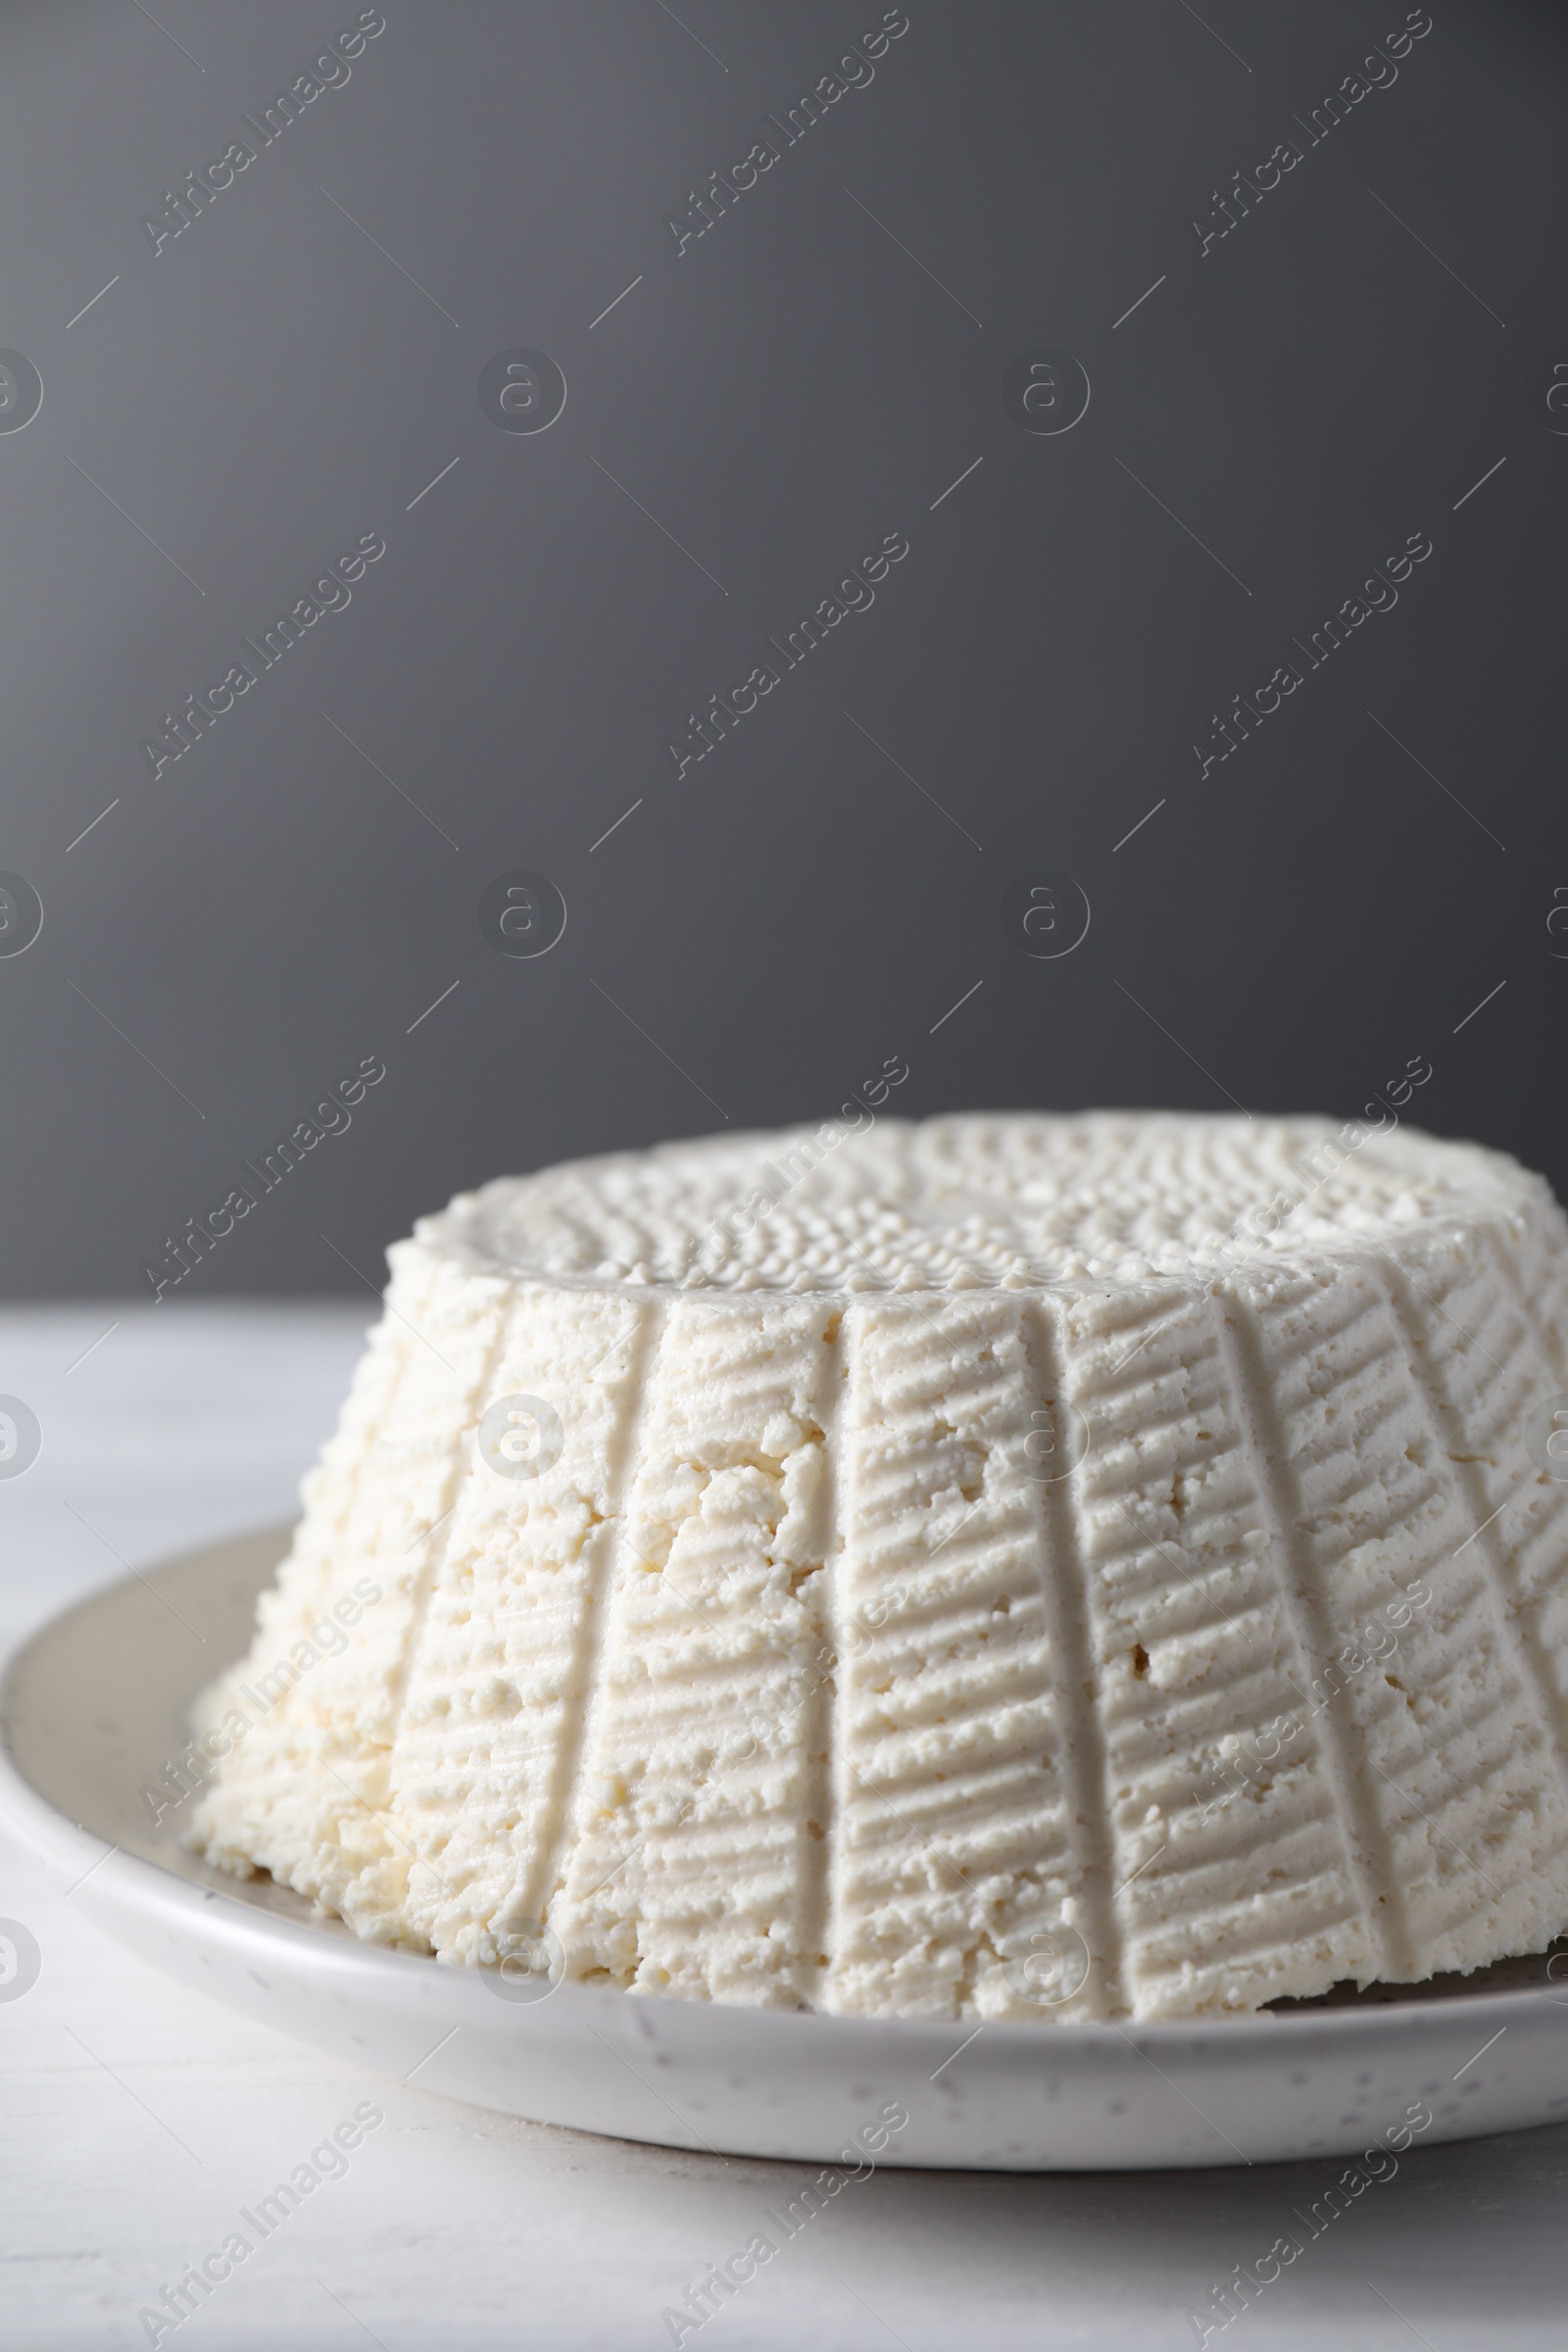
{"points": [[1280, 414]]}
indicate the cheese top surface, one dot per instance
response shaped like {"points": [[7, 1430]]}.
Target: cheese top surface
{"points": [[1013, 1567], [1015, 1199]]}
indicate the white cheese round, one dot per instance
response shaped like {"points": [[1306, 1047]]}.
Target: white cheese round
{"points": [[1008, 1566]]}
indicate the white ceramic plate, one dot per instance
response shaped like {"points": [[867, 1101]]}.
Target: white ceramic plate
{"points": [[94, 1706]]}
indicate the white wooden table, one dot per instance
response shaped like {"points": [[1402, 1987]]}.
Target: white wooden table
{"points": [[138, 2119]]}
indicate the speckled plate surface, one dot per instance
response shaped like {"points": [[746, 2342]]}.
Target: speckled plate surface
{"points": [[93, 1707]]}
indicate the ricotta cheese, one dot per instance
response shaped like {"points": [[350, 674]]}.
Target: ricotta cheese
{"points": [[1046, 1568]]}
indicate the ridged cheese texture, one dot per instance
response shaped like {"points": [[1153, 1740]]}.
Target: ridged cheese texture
{"points": [[1043, 1568]]}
